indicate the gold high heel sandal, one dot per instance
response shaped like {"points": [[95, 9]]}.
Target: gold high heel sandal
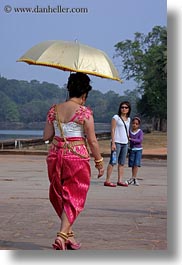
{"points": [[59, 245], [70, 244]]}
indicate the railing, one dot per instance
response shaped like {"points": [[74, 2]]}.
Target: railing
{"points": [[21, 143]]}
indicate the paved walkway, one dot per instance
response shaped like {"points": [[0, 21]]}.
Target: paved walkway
{"points": [[157, 153], [133, 218]]}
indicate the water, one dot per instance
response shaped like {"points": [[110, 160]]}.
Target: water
{"points": [[20, 134], [26, 134]]}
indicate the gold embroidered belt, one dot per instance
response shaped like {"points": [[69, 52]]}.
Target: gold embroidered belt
{"points": [[69, 143]]}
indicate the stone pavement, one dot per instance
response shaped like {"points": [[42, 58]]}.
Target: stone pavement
{"points": [[132, 218], [157, 153]]}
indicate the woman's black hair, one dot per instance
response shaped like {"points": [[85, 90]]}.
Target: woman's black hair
{"points": [[127, 103], [78, 84]]}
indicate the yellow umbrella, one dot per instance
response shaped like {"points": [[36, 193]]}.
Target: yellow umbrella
{"points": [[71, 56]]}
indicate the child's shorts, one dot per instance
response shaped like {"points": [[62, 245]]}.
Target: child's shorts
{"points": [[134, 158]]}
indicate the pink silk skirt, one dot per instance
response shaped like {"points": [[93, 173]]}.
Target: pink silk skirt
{"points": [[69, 176]]}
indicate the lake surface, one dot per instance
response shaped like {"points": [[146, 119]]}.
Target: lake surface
{"points": [[26, 134], [19, 134]]}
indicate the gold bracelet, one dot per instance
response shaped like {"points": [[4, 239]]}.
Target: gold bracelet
{"points": [[100, 160], [99, 166]]}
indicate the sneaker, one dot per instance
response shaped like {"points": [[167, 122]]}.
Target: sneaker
{"points": [[129, 181], [135, 182]]}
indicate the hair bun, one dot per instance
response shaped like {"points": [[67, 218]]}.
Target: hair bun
{"points": [[78, 84]]}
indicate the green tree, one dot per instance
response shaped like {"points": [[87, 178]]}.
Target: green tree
{"points": [[133, 97], [145, 61], [34, 111], [104, 106], [29, 101], [8, 109]]}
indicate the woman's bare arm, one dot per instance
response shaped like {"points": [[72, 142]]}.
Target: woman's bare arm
{"points": [[93, 143], [48, 131], [113, 128]]}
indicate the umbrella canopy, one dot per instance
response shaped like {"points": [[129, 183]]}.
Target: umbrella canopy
{"points": [[71, 56]]}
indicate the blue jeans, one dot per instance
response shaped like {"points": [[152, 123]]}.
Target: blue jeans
{"points": [[134, 158], [121, 153]]}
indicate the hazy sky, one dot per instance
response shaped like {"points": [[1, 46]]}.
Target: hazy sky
{"points": [[105, 24]]}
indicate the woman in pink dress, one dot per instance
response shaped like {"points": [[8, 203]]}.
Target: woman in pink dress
{"points": [[69, 124]]}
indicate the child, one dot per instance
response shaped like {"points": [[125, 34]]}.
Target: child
{"points": [[135, 151]]}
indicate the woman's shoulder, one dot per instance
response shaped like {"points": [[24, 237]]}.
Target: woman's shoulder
{"points": [[116, 117], [83, 113], [52, 107], [86, 109], [51, 115]]}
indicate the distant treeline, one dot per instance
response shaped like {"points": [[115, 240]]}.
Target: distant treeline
{"points": [[25, 104]]}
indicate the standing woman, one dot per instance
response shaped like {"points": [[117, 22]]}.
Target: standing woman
{"points": [[119, 142], [68, 159]]}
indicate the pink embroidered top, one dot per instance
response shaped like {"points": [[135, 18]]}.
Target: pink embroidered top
{"points": [[73, 128]]}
